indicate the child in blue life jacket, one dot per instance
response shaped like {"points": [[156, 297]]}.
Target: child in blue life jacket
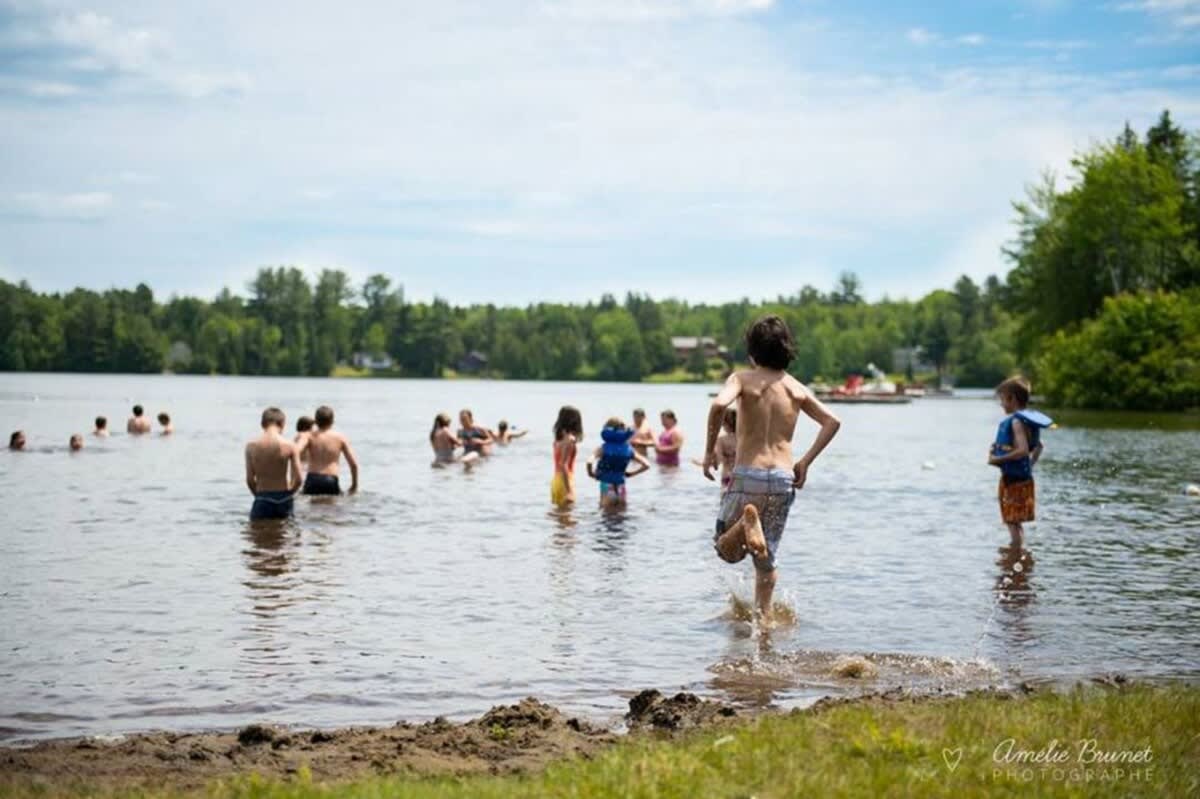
{"points": [[610, 463], [1017, 447]]}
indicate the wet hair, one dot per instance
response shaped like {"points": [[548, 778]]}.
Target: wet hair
{"points": [[639, 412], [439, 421], [16, 436], [101, 423], [272, 416], [770, 344], [502, 426], [616, 422], [76, 441], [1015, 387], [730, 419], [670, 414], [164, 418], [137, 410], [324, 417], [570, 420], [304, 424]]}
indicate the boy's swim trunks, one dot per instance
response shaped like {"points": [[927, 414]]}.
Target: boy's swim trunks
{"points": [[769, 490], [1017, 502], [321, 484], [271, 505]]}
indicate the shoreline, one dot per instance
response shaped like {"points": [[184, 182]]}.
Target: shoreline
{"points": [[521, 739]]}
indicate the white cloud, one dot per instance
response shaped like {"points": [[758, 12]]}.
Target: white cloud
{"points": [[108, 46], [652, 10], [921, 36], [1182, 14], [79, 207], [1182, 72], [972, 39]]}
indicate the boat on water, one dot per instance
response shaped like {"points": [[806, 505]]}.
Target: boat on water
{"points": [[858, 390]]}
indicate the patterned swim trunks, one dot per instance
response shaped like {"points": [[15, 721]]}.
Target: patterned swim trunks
{"points": [[769, 490], [1017, 502]]}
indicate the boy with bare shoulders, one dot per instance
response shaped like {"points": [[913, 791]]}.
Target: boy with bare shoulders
{"points": [[272, 469], [138, 424], [325, 449], [755, 505]]}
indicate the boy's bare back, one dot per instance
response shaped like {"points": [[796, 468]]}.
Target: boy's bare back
{"points": [[325, 448], [769, 403], [267, 460]]}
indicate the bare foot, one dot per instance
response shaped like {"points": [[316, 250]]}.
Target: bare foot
{"points": [[731, 545], [756, 542]]}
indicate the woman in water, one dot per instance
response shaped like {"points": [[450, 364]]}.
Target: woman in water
{"points": [[568, 430], [475, 438], [444, 444], [666, 452]]}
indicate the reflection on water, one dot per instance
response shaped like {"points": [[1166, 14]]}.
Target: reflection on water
{"points": [[135, 594]]}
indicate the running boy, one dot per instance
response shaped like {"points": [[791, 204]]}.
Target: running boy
{"points": [[1017, 448], [754, 509], [610, 463], [325, 448], [272, 469]]}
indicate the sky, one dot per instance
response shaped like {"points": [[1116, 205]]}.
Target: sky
{"points": [[515, 152]]}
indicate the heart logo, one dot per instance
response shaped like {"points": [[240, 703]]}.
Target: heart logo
{"points": [[952, 758]]}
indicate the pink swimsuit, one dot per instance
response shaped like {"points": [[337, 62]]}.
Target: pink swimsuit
{"points": [[666, 458]]}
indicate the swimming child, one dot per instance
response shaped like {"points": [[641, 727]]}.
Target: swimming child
{"points": [[76, 442], [505, 434], [304, 426], [272, 469], [1016, 450], [444, 443], [165, 421], [727, 446], [101, 430], [138, 423], [475, 438], [610, 463], [568, 430], [16, 441], [670, 441], [326, 448], [643, 436], [755, 506]]}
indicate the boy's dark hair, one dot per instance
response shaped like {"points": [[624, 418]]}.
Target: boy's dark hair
{"points": [[304, 424], [101, 423], [272, 416], [137, 410], [639, 412], [1015, 387], [324, 417], [12, 439], [164, 418], [570, 420], [502, 426], [769, 342]]}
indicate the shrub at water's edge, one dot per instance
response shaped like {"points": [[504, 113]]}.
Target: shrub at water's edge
{"points": [[1142, 352]]}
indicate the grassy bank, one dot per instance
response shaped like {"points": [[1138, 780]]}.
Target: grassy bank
{"points": [[929, 748]]}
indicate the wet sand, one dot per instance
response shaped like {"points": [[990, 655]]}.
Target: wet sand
{"points": [[507, 739]]}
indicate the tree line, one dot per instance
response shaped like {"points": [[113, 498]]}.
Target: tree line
{"points": [[1128, 223]]}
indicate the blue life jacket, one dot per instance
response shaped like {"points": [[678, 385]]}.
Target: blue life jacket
{"points": [[1021, 468], [615, 455]]}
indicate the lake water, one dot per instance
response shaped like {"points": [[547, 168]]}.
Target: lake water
{"points": [[135, 595]]}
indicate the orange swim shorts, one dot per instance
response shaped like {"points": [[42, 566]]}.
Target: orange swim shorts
{"points": [[1016, 501]]}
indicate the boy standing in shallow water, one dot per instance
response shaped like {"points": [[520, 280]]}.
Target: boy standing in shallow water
{"points": [[1017, 447], [272, 469], [326, 447], [754, 507]]}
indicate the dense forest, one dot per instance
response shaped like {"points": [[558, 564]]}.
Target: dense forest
{"points": [[1101, 306]]}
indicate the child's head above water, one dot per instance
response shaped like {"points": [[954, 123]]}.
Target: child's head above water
{"points": [[769, 343], [101, 423], [164, 419], [1013, 394], [503, 426], [569, 421], [304, 424], [729, 420], [442, 420]]}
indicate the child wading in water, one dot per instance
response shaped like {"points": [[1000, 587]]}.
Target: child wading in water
{"points": [[568, 430], [1017, 448], [610, 462], [444, 444], [754, 508]]}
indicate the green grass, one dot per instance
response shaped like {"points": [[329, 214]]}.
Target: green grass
{"points": [[849, 750]]}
